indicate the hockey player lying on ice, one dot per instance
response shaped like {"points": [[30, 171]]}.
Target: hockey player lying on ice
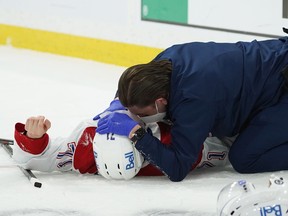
{"points": [[75, 152], [112, 156]]}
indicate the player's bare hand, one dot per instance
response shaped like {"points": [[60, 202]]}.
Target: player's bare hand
{"points": [[36, 127]]}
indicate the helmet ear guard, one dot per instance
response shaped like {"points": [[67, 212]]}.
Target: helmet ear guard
{"points": [[241, 198], [116, 157]]}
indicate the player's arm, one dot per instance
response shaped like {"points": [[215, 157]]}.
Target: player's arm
{"points": [[177, 159], [32, 137], [37, 151]]}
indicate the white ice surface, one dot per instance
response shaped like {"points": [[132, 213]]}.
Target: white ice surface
{"points": [[66, 91]]}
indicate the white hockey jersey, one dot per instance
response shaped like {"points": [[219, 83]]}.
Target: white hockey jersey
{"points": [[75, 152]]}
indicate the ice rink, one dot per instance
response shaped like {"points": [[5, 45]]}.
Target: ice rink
{"points": [[67, 90]]}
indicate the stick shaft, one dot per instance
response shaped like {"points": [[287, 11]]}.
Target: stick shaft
{"points": [[6, 141], [28, 173]]}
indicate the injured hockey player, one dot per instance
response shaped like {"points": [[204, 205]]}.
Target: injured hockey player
{"points": [[109, 155]]}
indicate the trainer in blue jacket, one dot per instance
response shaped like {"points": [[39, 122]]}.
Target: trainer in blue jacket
{"points": [[223, 89]]}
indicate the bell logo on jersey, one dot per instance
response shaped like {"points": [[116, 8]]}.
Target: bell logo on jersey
{"points": [[130, 157], [271, 210]]}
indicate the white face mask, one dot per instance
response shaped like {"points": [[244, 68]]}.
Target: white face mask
{"points": [[154, 118]]}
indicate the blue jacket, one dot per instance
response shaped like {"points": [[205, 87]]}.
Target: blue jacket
{"points": [[217, 88]]}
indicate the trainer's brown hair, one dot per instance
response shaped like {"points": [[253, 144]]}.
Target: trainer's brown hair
{"points": [[140, 85]]}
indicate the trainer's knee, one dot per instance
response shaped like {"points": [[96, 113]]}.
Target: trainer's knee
{"points": [[239, 162]]}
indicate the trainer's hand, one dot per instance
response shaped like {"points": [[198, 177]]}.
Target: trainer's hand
{"points": [[117, 123], [36, 127], [114, 105]]}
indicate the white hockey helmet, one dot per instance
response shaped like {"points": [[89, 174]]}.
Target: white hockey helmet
{"points": [[116, 157], [241, 198]]}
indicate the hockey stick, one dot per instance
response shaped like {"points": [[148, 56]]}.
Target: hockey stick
{"points": [[5, 143]]}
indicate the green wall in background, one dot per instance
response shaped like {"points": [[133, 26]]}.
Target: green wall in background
{"points": [[174, 11]]}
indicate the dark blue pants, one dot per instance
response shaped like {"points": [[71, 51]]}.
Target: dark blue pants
{"points": [[263, 145]]}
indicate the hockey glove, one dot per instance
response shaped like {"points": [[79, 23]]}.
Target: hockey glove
{"points": [[117, 123], [114, 105]]}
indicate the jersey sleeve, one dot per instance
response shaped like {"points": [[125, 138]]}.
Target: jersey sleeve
{"points": [[46, 154], [162, 132], [214, 153], [188, 133]]}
